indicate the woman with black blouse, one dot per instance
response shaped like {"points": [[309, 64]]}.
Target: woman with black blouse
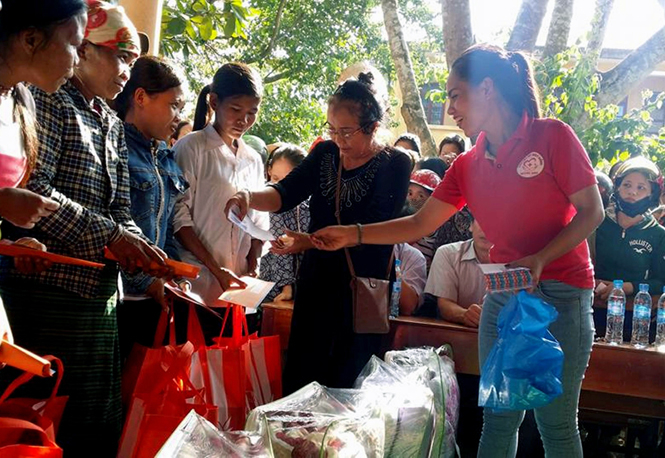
{"points": [[375, 179]]}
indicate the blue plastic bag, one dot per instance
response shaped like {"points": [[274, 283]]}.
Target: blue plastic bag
{"points": [[523, 370]]}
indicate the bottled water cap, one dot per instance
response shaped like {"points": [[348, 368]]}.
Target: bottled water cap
{"points": [[398, 262], [644, 288], [619, 284]]}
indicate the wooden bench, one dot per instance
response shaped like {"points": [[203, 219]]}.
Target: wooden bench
{"points": [[620, 379]]}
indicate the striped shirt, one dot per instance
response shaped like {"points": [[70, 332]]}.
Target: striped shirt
{"points": [[82, 164]]}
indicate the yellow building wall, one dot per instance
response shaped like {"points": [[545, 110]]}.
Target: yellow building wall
{"points": [[147, 17]]}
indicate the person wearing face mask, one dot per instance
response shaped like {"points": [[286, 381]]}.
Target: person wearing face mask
{"points": [[629, 244], [70, 311]]}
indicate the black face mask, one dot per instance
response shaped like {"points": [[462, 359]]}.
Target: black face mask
{"points": [[633, 209]]}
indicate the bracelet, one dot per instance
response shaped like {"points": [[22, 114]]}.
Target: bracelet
{"points": [[360, 233], [249, 197]]}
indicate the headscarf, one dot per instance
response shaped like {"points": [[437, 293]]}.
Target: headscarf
{"points": [[109, 25]]}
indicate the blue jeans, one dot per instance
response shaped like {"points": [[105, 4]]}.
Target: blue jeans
{"points": [[557, 421]]}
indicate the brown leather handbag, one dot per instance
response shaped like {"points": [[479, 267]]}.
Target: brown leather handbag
{"points": [[371, 296]]}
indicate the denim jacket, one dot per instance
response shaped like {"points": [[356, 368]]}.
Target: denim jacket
{"points": [[155, 183]]}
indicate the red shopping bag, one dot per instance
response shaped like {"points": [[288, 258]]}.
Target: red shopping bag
{"points": [[155, 413], [263, 359], [142, 361], [239, 372], [28, 426], [22, 438]]}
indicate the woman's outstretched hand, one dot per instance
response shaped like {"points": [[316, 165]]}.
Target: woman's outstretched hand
{"points": [[335, 237], [291, 242], [239, 204]]}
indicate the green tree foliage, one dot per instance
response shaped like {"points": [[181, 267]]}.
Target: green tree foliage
{"points": [[299, 46], [189, 24], [569, 88]]}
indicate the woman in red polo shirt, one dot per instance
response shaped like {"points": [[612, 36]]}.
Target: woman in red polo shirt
{"points": [[530, 185]]}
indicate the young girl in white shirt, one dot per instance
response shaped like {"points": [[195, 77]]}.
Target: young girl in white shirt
{"points": [[217, 164]]}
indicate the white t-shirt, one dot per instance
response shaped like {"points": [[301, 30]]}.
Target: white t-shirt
{"points": [[215, 174]]}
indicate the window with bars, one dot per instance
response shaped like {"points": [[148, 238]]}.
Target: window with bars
{"points": [[435, 112]]}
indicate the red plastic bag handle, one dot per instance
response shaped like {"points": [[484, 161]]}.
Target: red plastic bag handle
{"points": [[239, 324], [166, 320], [26, 377]]}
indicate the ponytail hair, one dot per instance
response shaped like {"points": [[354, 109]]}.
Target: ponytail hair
{"points": [[509, 71], [230, 80], [201, 111]]}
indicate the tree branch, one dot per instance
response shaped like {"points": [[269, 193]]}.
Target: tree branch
{"points": [[618, 81], [412, 106], [273, 38], [457, 32], [557, 35], [277, 76], [527, 25], [597, 33]]}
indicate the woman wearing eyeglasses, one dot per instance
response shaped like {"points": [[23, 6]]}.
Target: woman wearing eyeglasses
{"points": [[374, 183]]}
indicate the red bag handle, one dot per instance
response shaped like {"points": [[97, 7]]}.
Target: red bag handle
{"points": [[26, 377], [239, 324], [194, 330], [166, 320], [178, 365]]}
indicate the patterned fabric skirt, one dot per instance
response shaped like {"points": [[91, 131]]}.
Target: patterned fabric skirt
{"points": [[83, 333]]}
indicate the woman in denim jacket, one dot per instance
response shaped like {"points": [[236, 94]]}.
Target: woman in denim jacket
{"points": [[150, 105]]}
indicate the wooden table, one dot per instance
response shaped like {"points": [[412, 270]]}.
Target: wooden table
{"points": [[276, 320], [620, 379]]}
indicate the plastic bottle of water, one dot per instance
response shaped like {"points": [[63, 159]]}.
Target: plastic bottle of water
{"points": [[641, 317], [397, 290], [660, 321], [616, 308]]}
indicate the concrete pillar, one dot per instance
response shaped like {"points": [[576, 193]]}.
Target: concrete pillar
{"points": [[147, 17]]}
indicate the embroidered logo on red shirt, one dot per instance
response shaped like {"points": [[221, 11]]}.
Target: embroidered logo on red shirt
{"points": [[531, 165]]}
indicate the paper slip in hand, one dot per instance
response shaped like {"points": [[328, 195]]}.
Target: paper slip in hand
{"points": [[250, 297], [248, 226]]}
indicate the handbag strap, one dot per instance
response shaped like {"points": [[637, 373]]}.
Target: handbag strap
{"points": [[338, 215]]}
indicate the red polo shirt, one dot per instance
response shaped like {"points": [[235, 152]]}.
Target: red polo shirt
{"points": [[520, 198]]}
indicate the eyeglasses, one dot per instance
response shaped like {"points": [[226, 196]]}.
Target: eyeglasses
{"points": [[344, 134]]}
